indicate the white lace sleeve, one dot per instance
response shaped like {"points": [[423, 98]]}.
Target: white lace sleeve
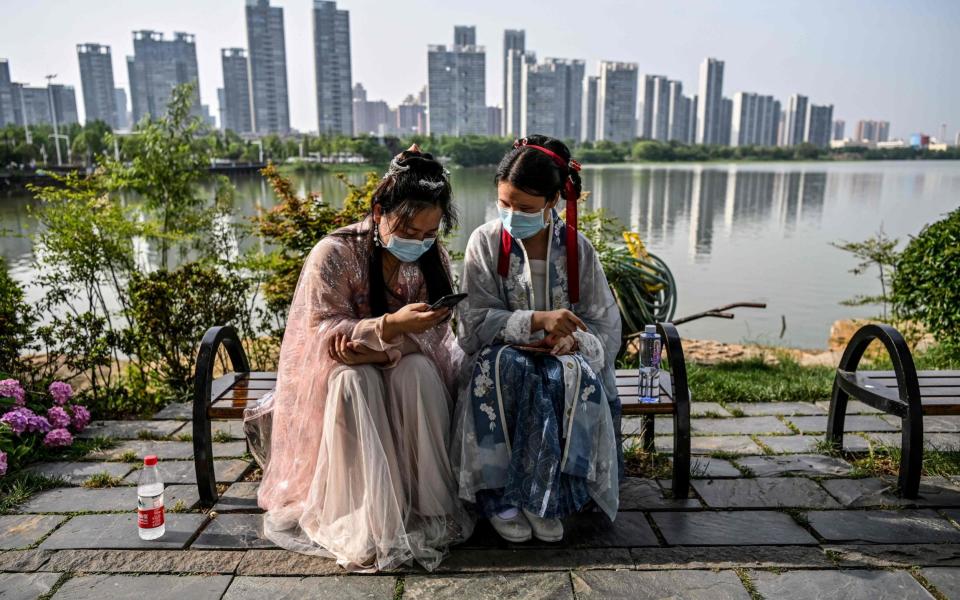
{"points": [[590, 348], [517, 328]]}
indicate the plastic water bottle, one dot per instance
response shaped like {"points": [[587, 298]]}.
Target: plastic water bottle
{"points": [[649, 380], [150, 519]]}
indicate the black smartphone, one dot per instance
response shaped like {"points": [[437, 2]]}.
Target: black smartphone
{"points": [[448, 301]]}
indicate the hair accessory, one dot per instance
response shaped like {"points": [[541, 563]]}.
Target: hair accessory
{"points": [[432, 185]]}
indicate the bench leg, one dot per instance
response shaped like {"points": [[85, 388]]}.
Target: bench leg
{"points": [[203, 459], [837, 415], [911, 456], [681, 452], [647, 433]]}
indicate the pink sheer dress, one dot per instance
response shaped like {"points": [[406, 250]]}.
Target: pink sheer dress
{"points": [[355, 458]]}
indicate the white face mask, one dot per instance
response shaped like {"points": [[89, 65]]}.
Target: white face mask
{"points": [[408, 250], [521, 225]]}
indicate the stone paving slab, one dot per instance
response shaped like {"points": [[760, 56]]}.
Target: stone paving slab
{"points": [[711, 409], [873, 491], [231, 427], [354, 587], [839, 585], [130, 430], [283, 562], [802, 444], [155, 587], [185, 472], [729, 557], [20, 531], [738, 426], [654, 585], [710, 468], [163, 449], [911, 526], [521, 558], [233, 531], [755, 409], [594, 530], [699, 444], [709, 528], [645, 494], [26, 586], [766, 492], [931, 423], [854, 407], [77, 472], [851, 423], [24, 560], [530, 586], [115, 499], [177, 410], [945, 579], [240, 496], [119, 531], [795, 464], [143, 561], [894, 555]]}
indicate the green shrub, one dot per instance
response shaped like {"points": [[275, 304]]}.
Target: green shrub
{"points": [[926, 284]]}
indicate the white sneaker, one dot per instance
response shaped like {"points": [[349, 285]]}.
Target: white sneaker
{"points": [[516, 529], [545, 530]]}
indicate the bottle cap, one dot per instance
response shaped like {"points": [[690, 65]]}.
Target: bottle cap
{"points": [[650, 329], [150, 460]]}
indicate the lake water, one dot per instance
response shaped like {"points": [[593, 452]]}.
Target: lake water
{"points": [[729, 232]]}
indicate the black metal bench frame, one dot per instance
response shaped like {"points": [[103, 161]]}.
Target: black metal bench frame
{"points": [[208, 391], [907, 404]]}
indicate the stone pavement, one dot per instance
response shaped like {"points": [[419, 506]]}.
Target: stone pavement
{"points": [[768, 517]]}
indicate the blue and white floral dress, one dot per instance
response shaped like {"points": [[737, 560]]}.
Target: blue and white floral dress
{"points": [[533, 430]]}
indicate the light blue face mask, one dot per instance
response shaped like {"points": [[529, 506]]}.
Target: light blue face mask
{"points": [[408, 250], [521, 225]]}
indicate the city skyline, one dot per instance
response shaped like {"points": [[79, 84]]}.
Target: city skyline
{"points": [[869, 79]]}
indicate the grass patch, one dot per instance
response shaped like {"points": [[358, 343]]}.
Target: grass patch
{"points": [[129, 456], [724, 455], [143, 434], [748, 583], [753, 380], [648, 465], [102, 480], [918, 575], [884, 461], [221, 436], [16, 488], [178, 507], [184, 437]]}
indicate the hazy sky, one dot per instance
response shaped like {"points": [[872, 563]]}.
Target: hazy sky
{"points": [[879, 59]]}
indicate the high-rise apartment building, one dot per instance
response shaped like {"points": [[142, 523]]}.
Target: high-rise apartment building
{"points": [[513, 39], [710, 102], [755, 120], [267, 64], [235, 105], [456, 87], [96, 80], [157, 67], [331, 52], [819, 122], [617, 101]]}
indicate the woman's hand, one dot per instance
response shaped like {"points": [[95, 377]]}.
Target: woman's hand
{"points": [[559, 323], [412, 318], [561, 346], [342, 350]]}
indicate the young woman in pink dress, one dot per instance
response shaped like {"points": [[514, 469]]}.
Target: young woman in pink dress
{"points": [[356, 432]]}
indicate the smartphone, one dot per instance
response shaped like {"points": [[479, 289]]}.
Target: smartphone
{"points": [[448, 301]]}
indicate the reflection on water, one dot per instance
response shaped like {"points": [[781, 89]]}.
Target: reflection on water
{"points": [[729, 232]]}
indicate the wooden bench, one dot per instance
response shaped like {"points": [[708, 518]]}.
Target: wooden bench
{"points": [[903, 392], [227, 396]]}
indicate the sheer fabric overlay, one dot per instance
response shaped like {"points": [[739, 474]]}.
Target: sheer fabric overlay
{"points": [[355, 458]]}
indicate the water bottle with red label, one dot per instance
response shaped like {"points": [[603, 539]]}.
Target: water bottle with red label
{"points": [[150, 519]]}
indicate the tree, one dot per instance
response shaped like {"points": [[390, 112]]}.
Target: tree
{"points": [[879, 251]]}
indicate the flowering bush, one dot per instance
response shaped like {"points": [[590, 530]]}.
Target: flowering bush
{"points": [[31, 421]]}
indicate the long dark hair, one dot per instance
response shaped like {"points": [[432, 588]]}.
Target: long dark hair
{"points": [[415, 181], [534, 171]]}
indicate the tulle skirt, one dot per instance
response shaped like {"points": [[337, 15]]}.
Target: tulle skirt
{"points": [[383, 492]]}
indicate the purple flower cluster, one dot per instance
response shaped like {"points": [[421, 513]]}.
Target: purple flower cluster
{"points": [[81, 417], [3, 463], [17, 419], [58, 417], [61, 392], [10, 388], [57, 437]]}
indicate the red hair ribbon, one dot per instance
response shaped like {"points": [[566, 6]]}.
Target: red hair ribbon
{"points": [[570, 194]]}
